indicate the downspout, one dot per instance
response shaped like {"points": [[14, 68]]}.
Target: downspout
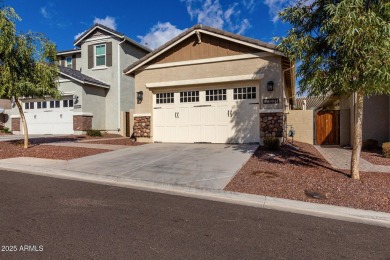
{"points": [[119, 83]]}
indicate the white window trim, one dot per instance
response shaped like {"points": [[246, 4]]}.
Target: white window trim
{"points": [[105, 56]]}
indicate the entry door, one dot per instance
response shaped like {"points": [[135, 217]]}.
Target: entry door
{"points": [[327, 128]]}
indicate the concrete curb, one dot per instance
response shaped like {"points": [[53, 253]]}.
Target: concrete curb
{"points": [[312, 209]]}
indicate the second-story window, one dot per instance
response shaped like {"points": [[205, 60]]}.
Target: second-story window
{"points": [[68, 62], [100, 54]]}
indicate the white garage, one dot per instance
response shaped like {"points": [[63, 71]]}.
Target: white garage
{"points": [[49, 117], [210, 115]]}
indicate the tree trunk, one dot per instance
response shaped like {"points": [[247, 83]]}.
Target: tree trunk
{"points": [[25, 130], [357, 139]]}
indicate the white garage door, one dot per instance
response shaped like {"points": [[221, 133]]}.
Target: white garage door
{"points": [[49, 117], [212, 116]]}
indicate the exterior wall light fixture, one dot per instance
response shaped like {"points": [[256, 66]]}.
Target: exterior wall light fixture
{"points": [[270, 86], [140, 97]]}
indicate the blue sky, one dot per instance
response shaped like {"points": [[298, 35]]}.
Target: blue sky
{"points": [[149, 22]]}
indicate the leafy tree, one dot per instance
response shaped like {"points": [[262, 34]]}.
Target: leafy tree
{"points": [[27, 64], [343, 47]]}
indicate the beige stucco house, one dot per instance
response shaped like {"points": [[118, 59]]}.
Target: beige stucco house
{"points": [[208, 85], [95, 92]]}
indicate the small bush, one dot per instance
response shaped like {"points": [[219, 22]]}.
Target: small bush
{"points": [[94, 133], [272, 143], [6, 130], [386, 149], [370, 144]]}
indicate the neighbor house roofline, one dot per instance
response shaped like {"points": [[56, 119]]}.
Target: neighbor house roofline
{"points": [[69, 52], [112, 32], [253, 43]]}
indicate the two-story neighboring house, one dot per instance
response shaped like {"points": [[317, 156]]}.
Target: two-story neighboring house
{"points": [[95, 92]]}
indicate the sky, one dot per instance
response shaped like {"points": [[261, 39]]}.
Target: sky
{"points": [[152, 23]]}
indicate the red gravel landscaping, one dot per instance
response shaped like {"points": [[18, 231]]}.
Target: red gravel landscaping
{"points": [[295, 172], [375, 157], [14, 149]]}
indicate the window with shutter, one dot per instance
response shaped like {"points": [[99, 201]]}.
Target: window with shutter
{"points": [[100, 55]]}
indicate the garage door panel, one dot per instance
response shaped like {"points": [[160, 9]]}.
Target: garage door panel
{"points": [[170, 117], [183, 134], [195, 115], [209, 121], [196, 133], [170, 134], [50, 122], [183, 115]]}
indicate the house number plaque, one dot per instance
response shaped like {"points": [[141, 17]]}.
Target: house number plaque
{"points": [[271, 101]]}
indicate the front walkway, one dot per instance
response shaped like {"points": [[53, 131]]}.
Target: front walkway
{"points": [[340, 158]]}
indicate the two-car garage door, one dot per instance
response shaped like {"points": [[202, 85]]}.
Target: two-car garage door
{"points": [[222, 115], [49, 117]]}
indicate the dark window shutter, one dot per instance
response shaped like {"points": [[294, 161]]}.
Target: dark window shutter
{"points": [[109, 54], [74, 62], [90, 56]]}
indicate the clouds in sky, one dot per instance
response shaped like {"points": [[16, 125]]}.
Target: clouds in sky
{"points": [[44, 13], [275, 6], [108, 21], [212, 13], [206, 12], [159, 34]]}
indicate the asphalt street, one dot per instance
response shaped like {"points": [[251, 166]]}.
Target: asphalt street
{"points": [[48, 218]]}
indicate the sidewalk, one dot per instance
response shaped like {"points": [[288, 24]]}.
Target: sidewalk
{"points": [[340, 158], [299, 207]]}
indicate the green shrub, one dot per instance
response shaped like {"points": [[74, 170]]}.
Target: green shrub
{"points": [[370, 144], [94, 132], [272, 143], [386, 149], [6, 130]]}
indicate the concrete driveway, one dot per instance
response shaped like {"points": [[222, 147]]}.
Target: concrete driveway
{"points": [[209, 166]]}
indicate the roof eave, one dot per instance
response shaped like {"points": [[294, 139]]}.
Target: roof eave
{"points": [[88, 32], [85, 82], [130, 71]]}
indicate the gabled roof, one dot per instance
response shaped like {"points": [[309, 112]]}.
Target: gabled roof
{"points": [[207, 30], [81, 78], [110, 31]]}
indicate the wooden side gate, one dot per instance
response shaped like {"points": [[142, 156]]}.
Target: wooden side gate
{"points": [[328, 127], [127, 124]]}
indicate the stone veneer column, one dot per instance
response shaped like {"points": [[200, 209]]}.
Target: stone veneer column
{"points": [[82, 122], [15, 124], [2, 121], [142, 126], [272, 124]]}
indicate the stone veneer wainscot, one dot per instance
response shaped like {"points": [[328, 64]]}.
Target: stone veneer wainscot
{"points": [[272, 124], [142, 126]]}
